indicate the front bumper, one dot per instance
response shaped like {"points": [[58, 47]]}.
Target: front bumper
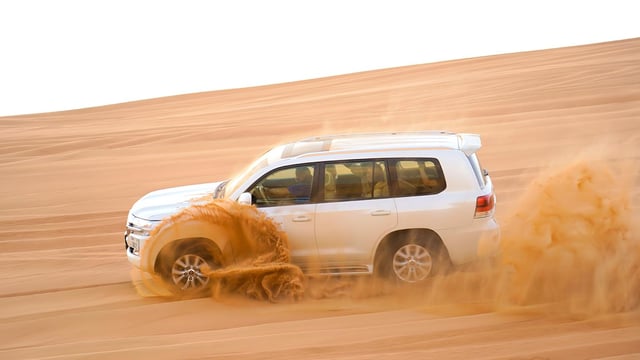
{"points": [[133, 258], [134, 240]]}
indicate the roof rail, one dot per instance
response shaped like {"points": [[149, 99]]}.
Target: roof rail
{"points": [[357, 135]]}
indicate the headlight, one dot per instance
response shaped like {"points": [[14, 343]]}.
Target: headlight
{"points": [[140, 226]]}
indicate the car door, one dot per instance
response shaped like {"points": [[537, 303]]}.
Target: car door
{"points": [[278, 194], [354, 212]]}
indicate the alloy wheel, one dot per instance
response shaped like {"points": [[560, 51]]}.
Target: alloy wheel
{"points": [[187, 274], [412, 263]]}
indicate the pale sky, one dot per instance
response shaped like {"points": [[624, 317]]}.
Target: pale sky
{"points": [[69, 54]]}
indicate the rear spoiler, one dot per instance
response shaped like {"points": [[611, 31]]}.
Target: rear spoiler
{"points": [[469, 143]]}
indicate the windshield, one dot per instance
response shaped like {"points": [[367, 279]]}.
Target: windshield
{"points": [[236, 181]]}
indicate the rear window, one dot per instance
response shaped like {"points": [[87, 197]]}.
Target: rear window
{"points": [[418, 177]]}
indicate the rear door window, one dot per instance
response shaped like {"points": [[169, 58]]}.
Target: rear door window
{"points": [[356, 180]]}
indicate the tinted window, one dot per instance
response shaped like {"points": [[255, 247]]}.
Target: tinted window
{"points": [[284, 187], [355, 180], [418, 177]]}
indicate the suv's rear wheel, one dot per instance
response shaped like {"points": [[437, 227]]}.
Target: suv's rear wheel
{"points": [[412, 263], [411, 258]]}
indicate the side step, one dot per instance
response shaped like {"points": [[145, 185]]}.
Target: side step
{"points": [[338, 270]]}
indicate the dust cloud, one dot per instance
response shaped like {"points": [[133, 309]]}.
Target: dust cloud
{"points": [[571, 241], [569, 246], [261, 268]]}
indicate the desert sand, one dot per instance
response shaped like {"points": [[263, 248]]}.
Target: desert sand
{"points": [[561, 131]]}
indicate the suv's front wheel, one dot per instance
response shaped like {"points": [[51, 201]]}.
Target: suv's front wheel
{"points": [[185, 270]]}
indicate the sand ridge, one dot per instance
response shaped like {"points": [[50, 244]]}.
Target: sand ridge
{"points": [[68, 179]]}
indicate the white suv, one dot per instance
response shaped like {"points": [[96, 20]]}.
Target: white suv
{"points": [[400, 205]]}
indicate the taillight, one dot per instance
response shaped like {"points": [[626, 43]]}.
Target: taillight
{"points": [[485, 205]]}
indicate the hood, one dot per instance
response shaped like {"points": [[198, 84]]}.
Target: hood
{"points": [[159, 204]]}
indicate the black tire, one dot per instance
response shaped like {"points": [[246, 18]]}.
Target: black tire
{"points": [[411, 259], [184, 270]]}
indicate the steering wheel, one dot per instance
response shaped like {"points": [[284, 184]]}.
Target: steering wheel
{"points": [[262, 194]]}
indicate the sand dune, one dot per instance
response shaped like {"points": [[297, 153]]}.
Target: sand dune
{"points": [[68, 179]]}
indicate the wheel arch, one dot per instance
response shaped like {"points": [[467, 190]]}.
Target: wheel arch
{"points": [[170, 235], [425, 235], [212, 251]]}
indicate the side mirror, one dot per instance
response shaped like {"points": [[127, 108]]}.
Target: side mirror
{"points": [[245, 199]]}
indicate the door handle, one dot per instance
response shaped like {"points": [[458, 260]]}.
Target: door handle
{"points": [[301, 218], [380, 212]]}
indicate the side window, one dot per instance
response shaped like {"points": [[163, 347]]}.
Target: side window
{"points": [[418, 177], [355, 180], [284, 187]]}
